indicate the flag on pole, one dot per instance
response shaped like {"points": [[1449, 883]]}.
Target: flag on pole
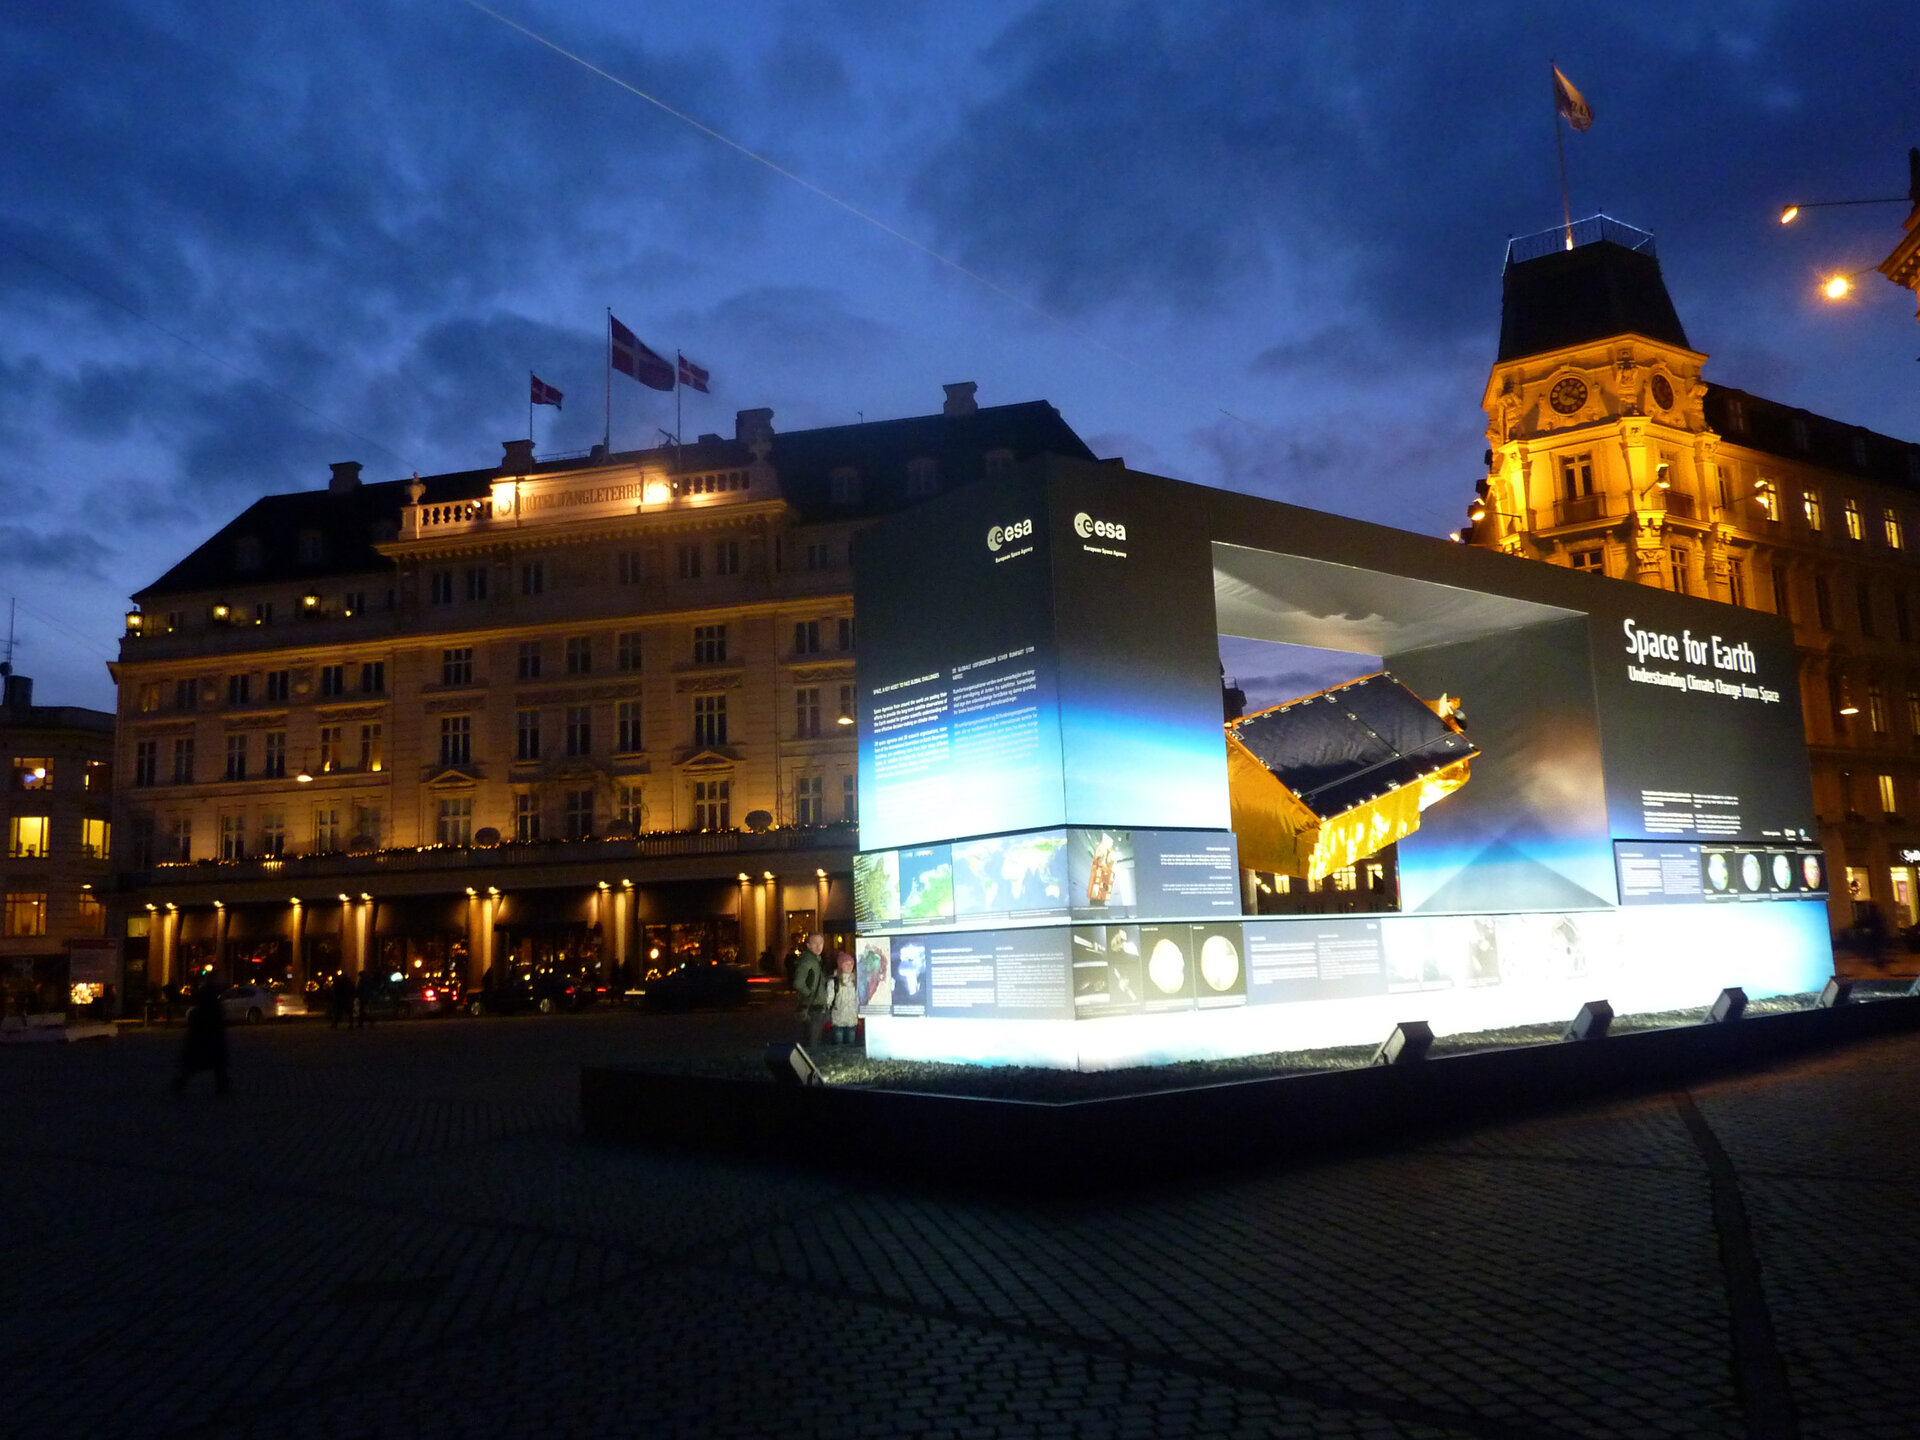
{"points": [[634, 359], [1570, 102], [692, 376], [542, 393]]}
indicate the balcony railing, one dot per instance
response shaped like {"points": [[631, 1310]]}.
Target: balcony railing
{"points": [[1681, 505], [1579, 510]]}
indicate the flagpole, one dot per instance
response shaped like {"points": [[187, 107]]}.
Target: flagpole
{"points": [[1560, 144], [529, 407], [607, 443], [679, 463]]}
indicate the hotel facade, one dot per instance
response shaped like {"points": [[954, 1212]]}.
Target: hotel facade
{"points": [[590, 715], [1610, 452]]}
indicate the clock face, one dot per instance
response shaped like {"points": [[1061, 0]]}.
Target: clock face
{"points": [[1662, 392], [1568, 395]]}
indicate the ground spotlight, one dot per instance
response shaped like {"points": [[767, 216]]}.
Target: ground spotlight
{"points": [[1731, 1005], [1838, 992], [1592, 1023], [790, 1064], [1410, 1041]]}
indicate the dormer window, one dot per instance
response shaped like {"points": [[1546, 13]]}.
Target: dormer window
{"points": [[999, 461], [246, 552], [843, 486], [1801, 440], [1736, 414], [1860, 450], [310, 547], [923, 477]]}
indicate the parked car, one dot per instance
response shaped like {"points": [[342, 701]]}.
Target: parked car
{"points": [[697, 984], [519, 991], [404, 999], [253, 1002]]}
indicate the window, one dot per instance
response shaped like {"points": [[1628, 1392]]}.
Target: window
{"points": [[371, 757], [1590, 562], [526, 725], [712, 805], [999, 461], [526, 817], [844, 626], [27, 838], [579, 813], [140, 852], [529, 660], [97, 779], [726, 557], [1863, 603], [1767, 496], [32, 773], [263, 612], [373, 677], [456, 665], [233, 837], [1823, 602], [808, 806], [688, 558], [26, 912], [579, 655], [806, 637], [709, 644], [279, 686], [454, 823], [849, 799], [93, 839], [238, 689], [1850, 512], [1576, 476], [627, 568], [709, 719], [1913, 713], [476, 578], [183, 761], [177, 619], [186, 694], [1737, 582], [333, 748], [247, 553], [273, 754], [91, 915], [333, 681], [440, 587], [806, 714], [353, 602], [626, 650], [579, 730], [1801, 439], [923, 476], [236, 757], [180, 839], [1837, 703], [1889, 798], [1877, 709], [147, 697], [146, 762], [627, 726], [1810, 502], [1896, 537], [848, 701], [310, 547], [1725, 479], [368, 823], [1782, 594], [533, 577], [843, 486], [628, 806], [273, 833], [456, 739], [1902, 620], [326, 829]]}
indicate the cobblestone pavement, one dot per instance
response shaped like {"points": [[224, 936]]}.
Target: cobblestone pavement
{"points": [[401, 1232]]}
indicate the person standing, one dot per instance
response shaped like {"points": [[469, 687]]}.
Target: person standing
{"points": [[843, 1000], [363, 992], [206, 1044], [810, 989], [340, 1000]]}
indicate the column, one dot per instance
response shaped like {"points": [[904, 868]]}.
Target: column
{"points": [[296, 933], [220, 944]]}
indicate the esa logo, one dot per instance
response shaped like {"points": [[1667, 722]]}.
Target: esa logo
{"points": [[1006, 534], [1086, 527]]}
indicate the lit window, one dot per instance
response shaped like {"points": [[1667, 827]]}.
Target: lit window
{"points": [[90, 915], [1889, 799], [1850, 512], [1877, 709], [98, 777], [32, 773], [1896, 537], [26, 912], [1810, 503], [333, 754], [371, 757], [93, 839], [28, 840]]}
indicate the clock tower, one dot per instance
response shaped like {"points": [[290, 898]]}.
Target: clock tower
{"points": [[1599, 453]]}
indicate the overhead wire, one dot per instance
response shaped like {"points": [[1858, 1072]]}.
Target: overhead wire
{"points": [[820, 191]]}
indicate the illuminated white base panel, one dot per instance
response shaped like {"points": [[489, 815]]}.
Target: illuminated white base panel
{"points": [[1651, 958]]}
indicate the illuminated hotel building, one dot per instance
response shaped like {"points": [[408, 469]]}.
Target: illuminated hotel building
{"points": [[1610, 453], [565, 712]]}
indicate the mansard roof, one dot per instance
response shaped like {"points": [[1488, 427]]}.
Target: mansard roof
{"points": [[1807, 438], [1575, 297], [351, 522]]}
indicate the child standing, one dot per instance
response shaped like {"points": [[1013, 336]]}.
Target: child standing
{"points": [[843, 999]]}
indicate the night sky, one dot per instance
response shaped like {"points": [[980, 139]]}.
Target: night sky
{"points": [[1255, 246]]}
